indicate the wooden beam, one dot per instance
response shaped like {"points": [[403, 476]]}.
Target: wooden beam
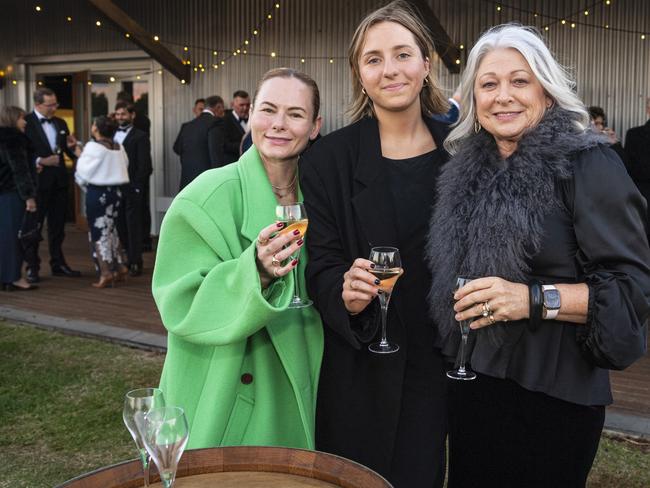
{"points": [[445, 47], [144, 39]]}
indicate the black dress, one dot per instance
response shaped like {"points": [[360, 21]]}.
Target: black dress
{"points": [[387, 412]]}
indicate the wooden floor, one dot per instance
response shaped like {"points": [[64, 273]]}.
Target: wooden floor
{"points": [[131, 305]]}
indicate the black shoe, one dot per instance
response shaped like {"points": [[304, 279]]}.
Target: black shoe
{"points": [[32, 276], [135, 270], [64, 270]]}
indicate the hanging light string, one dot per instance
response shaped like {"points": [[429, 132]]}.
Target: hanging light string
{"points": [[570, 19]]}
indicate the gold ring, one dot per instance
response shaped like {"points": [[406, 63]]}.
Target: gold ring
{"points": [[262, 242], [486, 309], [275, 261], [491, 319]]}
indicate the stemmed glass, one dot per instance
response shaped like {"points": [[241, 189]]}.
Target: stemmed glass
{"points": [[462, 373], [136, 404], [388, 268], [165, 432], [294, 217]]}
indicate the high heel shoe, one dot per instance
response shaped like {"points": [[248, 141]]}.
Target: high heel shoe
{"points": [[122, 274], [104, 281]]}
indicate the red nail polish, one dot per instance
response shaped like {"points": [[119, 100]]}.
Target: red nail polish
{"points": [[280, 224], [294, 262], [296, 232], [372, 265], [300, 242]]}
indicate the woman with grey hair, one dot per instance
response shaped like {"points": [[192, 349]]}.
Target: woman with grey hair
{"points": [[542, 215]]}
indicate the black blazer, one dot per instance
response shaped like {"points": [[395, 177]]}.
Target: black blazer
{"points": [[200, 146], [233, 133], [138, 149], [51, 176], [637, 150], [345, 192]]}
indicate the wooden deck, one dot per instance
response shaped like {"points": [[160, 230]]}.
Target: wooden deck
{"points": [[131, 305]]}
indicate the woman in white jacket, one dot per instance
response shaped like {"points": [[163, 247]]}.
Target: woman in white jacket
{"points": [[102, 168]]}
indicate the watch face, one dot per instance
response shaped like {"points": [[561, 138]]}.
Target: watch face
{"points": [[552, 299]]}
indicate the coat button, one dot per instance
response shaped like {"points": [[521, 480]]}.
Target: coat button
{"points": [[247, 378]]}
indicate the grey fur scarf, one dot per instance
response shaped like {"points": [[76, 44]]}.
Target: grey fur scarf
{"points": [[489, 212]]}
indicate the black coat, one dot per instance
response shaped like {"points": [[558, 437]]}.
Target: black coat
{"points": [[345, 193], [51, 176], [138, 149], [200, 146], [637, 149], [233, 134], [17, 171]]}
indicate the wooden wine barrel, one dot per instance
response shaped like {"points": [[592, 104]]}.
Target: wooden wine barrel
{"points": [[243, 467]]}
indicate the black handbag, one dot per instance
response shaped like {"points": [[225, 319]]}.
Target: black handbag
{"points": [[30, 230]]}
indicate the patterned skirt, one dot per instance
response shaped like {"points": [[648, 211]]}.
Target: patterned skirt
{"points": [[102, 211]]}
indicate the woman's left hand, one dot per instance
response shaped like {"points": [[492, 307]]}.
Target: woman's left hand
{"points": [[489, 300]]}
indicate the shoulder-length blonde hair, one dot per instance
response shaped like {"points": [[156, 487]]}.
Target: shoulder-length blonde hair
{"points": [[555, 79], [431, 98]]}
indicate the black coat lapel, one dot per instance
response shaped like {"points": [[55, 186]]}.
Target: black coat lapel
{"points": [[38, 127], [371, 202]]}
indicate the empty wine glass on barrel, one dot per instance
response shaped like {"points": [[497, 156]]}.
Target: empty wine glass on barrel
{"points": [[165, 433], [136, 404]]}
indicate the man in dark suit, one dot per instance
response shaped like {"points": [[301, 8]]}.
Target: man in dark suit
{"points": [[236, 124], [138, 148], [201, 142], [637, 149], [50, 138]]}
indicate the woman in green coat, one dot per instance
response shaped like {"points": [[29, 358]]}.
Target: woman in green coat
{"points": [[243, 366]]}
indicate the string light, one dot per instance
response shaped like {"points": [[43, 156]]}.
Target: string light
{"points": [[255, 32], [573, 25], [68, 18], [127, 35], [277, 5], [331, 61], [156, 38], [112, 79], [563, 21], [273, 54], [38, 8], [185, 49], [98, 23], [89, 82], [269, 16], [462, 46], [302, 60], [586, 12], [498, 8], [458, 61], [14, 82]]}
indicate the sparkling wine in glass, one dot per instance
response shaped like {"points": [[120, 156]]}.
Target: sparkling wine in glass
{"points": [[136, 404], [388, 268], [294, 217], [165, 433], [462, 373]]}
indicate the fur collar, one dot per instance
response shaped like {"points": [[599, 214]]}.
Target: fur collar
{"points": [[490, 211]]}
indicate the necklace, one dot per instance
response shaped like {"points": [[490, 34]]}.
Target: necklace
{"points": [[291, 185]]}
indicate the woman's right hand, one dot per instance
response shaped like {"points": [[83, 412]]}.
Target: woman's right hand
{"points": [[360, 287], [30, 205], [274, 247]]}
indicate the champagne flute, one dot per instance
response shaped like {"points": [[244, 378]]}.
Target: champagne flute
{"points": [[136, 404], [165, 433], [388, 268], [294, 217], [462, 373]]}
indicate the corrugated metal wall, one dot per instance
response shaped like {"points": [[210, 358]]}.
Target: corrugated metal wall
{"points": [[612, 68]]}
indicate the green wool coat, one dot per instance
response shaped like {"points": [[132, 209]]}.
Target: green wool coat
{"points": [[243, 366]]}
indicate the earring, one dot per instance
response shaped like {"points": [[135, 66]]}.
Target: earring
{"points": [[424, 83], [477, 126], [363, 90]]}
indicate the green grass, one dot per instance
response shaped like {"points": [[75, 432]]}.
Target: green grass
{"points": [[61, 411], [61, 404]]}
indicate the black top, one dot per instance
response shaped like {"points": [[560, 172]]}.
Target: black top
{"points": [[138, 149], [412, 188]]}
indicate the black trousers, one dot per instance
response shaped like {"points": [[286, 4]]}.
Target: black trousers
{"points": [[12, 209], [146, 216], [52, 204], [130, 225], [502, 435]]}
